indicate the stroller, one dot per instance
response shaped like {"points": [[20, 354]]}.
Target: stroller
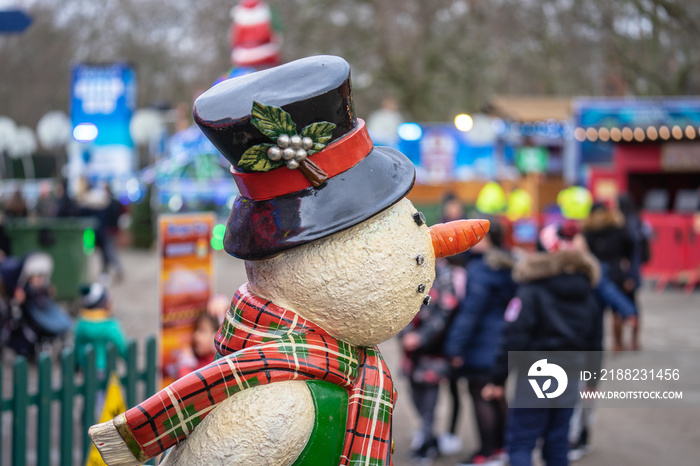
{"points": [[30, 318]]}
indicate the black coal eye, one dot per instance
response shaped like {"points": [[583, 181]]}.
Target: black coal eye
{"points": [[419, 218], [421, 288], [420, 259]]}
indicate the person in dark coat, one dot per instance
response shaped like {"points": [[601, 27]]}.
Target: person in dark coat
{"points": [[16, 206], [110, 216], [555, 309], [639, 234], [99, 203], [609, 241], [65, 207], [5, 242], [607, 294], [424, 363], [473, 339], [452, 209]]}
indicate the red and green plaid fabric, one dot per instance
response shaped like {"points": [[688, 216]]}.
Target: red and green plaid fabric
{"points": [[260, 343], [370, 402]]}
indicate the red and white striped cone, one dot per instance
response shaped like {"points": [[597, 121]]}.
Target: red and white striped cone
{"points": [[254, 42]]}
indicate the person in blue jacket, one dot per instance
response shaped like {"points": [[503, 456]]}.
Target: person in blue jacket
{"points": [[610, 295], [474, 337]]}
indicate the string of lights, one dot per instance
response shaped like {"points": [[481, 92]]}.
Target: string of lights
{"points": [[638, 134]]}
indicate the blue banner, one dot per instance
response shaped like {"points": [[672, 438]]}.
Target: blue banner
{"points": [[105, 96], [442, 153]]}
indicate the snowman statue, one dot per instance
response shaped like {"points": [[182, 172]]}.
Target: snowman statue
{"points": [[338, 261]]}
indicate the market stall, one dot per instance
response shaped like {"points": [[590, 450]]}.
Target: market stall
{"points": [[649, 148]]}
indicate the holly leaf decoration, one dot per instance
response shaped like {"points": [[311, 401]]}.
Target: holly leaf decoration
{"points": [[256, 159], [320, 132], [272, 121], [317, 147]]}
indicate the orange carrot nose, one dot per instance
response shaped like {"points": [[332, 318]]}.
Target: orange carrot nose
{"points": [[454, 237]]}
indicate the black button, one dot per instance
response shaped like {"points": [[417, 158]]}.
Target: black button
{"points": [[419, 218]]}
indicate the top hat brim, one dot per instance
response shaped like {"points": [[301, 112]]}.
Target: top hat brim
{"points": [[261, 229]]}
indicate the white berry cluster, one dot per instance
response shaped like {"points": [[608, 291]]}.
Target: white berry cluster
{"points": [[292, 149]]}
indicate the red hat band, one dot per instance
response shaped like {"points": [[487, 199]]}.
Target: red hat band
{"points": [[337, 157]]}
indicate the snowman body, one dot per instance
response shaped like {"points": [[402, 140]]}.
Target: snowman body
{"points": [[266, 425], [362, 286]]}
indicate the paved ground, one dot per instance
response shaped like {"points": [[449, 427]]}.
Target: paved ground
{"points": [[622, 436]]}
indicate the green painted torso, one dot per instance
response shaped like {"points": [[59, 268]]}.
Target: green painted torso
{"points": [[331, 410]]}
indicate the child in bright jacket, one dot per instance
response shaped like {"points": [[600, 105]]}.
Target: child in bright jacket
{"points": [[96, 327]]}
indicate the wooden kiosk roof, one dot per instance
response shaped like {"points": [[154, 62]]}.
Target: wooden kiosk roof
{"points": [[529, 108]]}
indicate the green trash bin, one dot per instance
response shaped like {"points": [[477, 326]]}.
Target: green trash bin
{"points": [[69, 241]]}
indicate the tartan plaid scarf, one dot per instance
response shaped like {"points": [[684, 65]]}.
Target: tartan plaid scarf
{"points": [[260, 343]]}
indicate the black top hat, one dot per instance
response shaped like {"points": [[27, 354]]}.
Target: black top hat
{"points": [[304, 164]]}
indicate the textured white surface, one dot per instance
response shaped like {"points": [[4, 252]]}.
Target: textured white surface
{"points": [[264, 425], [361, 284], [111, 445]]}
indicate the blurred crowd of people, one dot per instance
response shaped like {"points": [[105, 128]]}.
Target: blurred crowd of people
{"points": [[494, 299], [55, 201], [31, 319]]}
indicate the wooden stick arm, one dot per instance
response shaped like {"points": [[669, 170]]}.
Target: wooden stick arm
{"points": [[111, 445]]}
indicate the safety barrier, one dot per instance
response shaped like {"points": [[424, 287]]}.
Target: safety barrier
{"points": [[72, 386]]}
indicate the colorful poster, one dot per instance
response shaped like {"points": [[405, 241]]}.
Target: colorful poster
{"points": [[186, 281], [438, 150]]}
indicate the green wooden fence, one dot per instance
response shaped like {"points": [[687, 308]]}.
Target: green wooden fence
{"points": [[65, 394]]}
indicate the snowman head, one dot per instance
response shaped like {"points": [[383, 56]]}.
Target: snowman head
{"points": [[321, 219], [364, 284]]}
